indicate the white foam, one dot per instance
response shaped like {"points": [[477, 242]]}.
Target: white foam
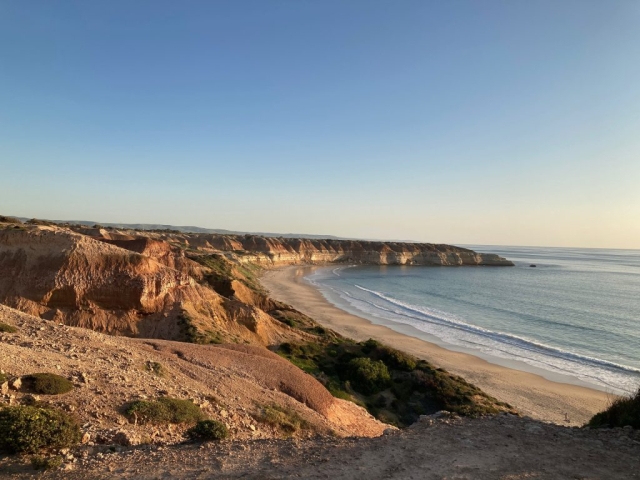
{"points": [[455, 331]]}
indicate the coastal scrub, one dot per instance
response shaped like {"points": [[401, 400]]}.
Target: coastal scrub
{"points": [[623, 411], [29, 429], [395, 387]]}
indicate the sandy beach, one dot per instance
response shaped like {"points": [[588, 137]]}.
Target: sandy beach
{"points": [[531, 394]]}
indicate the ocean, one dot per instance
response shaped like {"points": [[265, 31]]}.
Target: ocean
{"points": [[576, 314]]}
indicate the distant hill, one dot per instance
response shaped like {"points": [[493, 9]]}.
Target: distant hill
{"points": [[189, 229]]}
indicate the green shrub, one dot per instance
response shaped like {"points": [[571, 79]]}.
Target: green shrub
{"points": [[3, 377], [36, 221], [368, 376], [6, 328], [5, 219], [30, 429], [46, 463], [361, 371], [208, 430], [156, 368], [164, 410], [397, 360], [47, 383], [623, 411], [284, 419]]}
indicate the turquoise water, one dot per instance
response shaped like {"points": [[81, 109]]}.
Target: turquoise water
{"points": [[577, 313]]}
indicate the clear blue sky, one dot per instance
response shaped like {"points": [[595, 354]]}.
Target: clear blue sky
{"points": [[495, 122]]}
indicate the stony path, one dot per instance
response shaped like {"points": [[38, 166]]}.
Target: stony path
{"points": [[506, 448]]}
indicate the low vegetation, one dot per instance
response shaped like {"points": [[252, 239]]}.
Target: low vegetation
{"points": [[14, 220], [3, 377], [39, 462], [155, 367], [300, 321], [223, 271], [6, 328], [31, 429], [37, 221], [395, 387], [283, 419], [623, 411], [47, 383], [208, 430], [192, 334], [163, 410]]}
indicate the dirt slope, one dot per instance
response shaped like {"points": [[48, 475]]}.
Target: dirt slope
{"points": [[231, 382], [504, 448]]}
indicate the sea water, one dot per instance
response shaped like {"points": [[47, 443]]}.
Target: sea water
{"points": [[575, 314]]}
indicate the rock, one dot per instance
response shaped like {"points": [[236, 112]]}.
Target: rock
{"points": [[125, 438], [441, 414], [85, 438], [16, 384], [30, 399], [4, 388]]}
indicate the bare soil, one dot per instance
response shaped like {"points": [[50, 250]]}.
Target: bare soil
{"points": [[504, 447]]}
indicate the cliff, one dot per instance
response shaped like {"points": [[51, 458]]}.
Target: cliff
{"points": [[146, 290], [193, 287], [290, 251]]}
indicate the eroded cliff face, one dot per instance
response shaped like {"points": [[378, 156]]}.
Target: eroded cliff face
{"points": [[146, 290], [144, 283], [291, 251]]}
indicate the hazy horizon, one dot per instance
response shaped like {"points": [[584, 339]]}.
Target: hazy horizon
{"points": [[493, 123], [319, 234]]}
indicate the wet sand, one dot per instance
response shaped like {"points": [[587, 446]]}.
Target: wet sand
{"points": [[531, 394]]}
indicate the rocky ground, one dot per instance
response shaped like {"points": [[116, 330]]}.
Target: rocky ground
{"points": [[231, 383], [438, 447]]}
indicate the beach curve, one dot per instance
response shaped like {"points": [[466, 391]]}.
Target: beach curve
{"points": [[532, 394]]}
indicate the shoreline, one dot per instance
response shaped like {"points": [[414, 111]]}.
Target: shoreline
{"points": [[530, 393]]}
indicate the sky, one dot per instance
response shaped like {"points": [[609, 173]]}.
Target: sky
{"points": [[469, 122]]}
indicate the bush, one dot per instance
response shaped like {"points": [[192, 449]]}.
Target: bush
{"points": [[46, 463], [164, 410], [398, 360], [47, 383], [5, 328], [37, 221], [622, 412], [30, 429], [3, 377], [369, 376], [282, 418], [5, 219], [156, 368], [208, 430]]}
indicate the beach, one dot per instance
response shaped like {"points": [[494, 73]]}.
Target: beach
{"points": [[532, 394]]}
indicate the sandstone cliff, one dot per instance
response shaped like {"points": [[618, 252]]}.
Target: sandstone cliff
{"points": [[289, 251], [147, 283], [71, 278]]}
